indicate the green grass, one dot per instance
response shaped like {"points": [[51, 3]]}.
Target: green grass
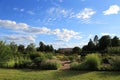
{"points": [[26, 74]]}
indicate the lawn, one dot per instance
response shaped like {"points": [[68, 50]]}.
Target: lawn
{"points": [[26, 74]]}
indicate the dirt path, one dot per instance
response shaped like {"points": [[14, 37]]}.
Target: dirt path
{"points": [[65, 65]]}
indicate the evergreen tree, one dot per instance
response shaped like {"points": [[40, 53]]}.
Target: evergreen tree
{"points": [[91, 46], [96, 40], [115, 42], [104, 42]]}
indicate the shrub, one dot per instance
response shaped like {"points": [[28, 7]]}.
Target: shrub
{"points": [[106, 59], [116, 63], [78, 66], [113, 50], [60, 57], [49, 55], [22, 62], [74, 66], [50, 65], [72, 58], [37, 62], [92, 62], [34, 55], [105, 67]]}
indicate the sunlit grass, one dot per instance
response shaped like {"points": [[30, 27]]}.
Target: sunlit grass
{"points": [[26, 74]]}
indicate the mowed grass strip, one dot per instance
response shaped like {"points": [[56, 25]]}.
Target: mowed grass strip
{"points": [[27, 74]]}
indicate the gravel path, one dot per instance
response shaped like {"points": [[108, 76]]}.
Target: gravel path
{"points": [[65, 65]]}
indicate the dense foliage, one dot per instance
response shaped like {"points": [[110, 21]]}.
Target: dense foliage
{"points": [[106, 57], [17, 56], [92, 62]]}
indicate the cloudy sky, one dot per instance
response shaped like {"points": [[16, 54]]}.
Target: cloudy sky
{"points": [[62, 23]]}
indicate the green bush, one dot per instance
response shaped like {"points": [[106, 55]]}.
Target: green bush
{"points": [[34, 55], [71, 58], [22, 62], [106, 59], [37, 62], [116, 63], [105, 67], [74, 57], [49, 55], [92, 62], [113, 50], [74, 66], [50, 65]]}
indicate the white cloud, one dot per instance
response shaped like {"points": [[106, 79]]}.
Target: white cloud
{"points": [[30, 12], [12, 24], [57, 45], [90, 36], [111, 34], [85, 14], [114, 9], [64, 34], [19, 38], [18, 9], [59, 12], [22, 10], [37, 30]]}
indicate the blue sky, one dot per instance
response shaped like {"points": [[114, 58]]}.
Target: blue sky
{"points": [[62, 23]]}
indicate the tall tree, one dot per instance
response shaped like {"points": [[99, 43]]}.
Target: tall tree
{"points": [[115, 42], [5, 53], [30, 48], [96, 40], [91, 46], [51, 48], [13, 47], [41, 46], [104, 42], [21, 48]]}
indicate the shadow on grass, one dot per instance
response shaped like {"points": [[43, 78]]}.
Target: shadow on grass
{"points": [[108, 74], [68, 73], [100, 74]]}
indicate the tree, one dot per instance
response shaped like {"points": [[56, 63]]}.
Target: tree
{"points": [[91, 46], [76, 50], [13, 47], [30, 48], [51, 48], [96, 40], [21, 48], [47, 48], [5, 53], [85, 48], [104, 42], [115, 42], [41, 47]]}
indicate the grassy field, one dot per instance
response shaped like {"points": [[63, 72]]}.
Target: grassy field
{"points": [[13, 74]]}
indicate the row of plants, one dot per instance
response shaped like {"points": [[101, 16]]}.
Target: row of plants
{"points": [[37, 60], [97, 62]]}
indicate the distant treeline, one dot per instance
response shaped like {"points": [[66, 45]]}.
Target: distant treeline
{"points": [[105, 44]]}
